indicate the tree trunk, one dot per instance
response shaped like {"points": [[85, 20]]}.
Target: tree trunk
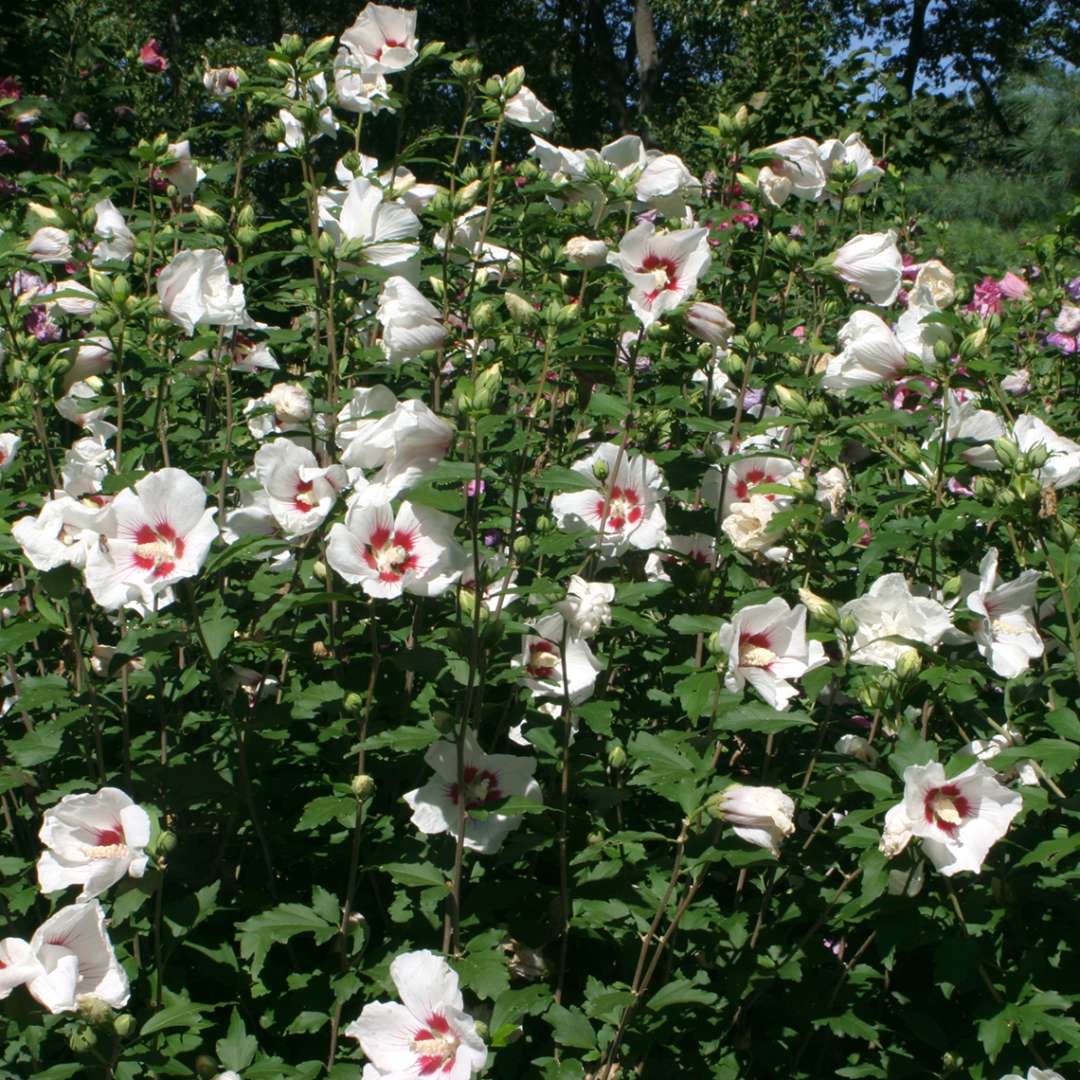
{"points": [[648, 57], [612, 69], [916, 40]]}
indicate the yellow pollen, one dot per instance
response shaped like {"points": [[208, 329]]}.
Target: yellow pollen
{"points": [[158, 550], [1002, 628], [106, 851], [545, 660], [660, 277], [755, 656], [945, 809], [391, 557]]}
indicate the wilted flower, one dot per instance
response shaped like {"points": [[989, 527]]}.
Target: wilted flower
{"points": [[429, 1033], [151, 58], [1017, 382], [958, 819], [759, 815], [831, 490], [222, 81], [74, 298], [749, 526], [857, 747], [93, 841]]}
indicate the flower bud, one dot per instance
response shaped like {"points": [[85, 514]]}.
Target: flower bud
{"points": [[124, 1024], [353, 703], [568, 314], [246, 216], [487, 386], [971, 345], [522, 545], [166, 842], [616, 757], [206, 1066], [93, 1010], [1007, 452], [467, 195], [709, 322], [513, 82], [1035, 458], [819, 607], [468, 68], [817, 410], [363, 786], [585, 252], [319, 570], [601, 469], [521, 311], [857, 747], [714, 644], [908, 664], [791, 400], [754, 331], [849, 625], [942, 350], [544, 524], [291, 45], [208, 218]]}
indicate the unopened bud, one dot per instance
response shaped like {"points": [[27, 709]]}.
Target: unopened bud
{"points": [[973, 343], [363, 786], [1007, 452], [715, 644], [568, 314], [908, 664], [124, 1024], [1035, 458], [246, 216], [544, 524], [166, 842], [521, 311], [92, 1009], [616, 757], [817, 410], [121, 288], [819, 607], [292, 45], [849, 625], [522, 545], [513, 82], [754, 331], [353, 703], [791, 400], [468, 68], [487, 386], [601, 470], [467, 195], [319, 569], [208, 218], [942, 350]]}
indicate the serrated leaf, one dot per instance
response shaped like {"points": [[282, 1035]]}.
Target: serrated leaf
{"points": [[680, 992], [260, 932], [571, 1027], [416, 874], [237, 1049]]}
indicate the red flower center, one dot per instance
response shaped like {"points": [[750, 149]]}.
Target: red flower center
{"points": [[390, 554], [481, 788], [544, 659], [623, 508], [664, 271], [946, 808], [157, 549]]}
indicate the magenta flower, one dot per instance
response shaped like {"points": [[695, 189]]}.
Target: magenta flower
{"points": [[151, 58]]}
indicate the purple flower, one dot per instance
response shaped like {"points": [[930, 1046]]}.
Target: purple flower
{"points": [[1065, 342], [40, 325], [470, 488], [493, 538], [1073, 289]]}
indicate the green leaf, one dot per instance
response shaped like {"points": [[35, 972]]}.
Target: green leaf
{"points": [[18, 633], [601, 404], [416, 874], [757, 716], [260, 932], [186, 1014], [512, 1005], [326, 808], [695, 624], [237, 1049], [218, 633], [571, 1027], [564, 480], [680, 992]]}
